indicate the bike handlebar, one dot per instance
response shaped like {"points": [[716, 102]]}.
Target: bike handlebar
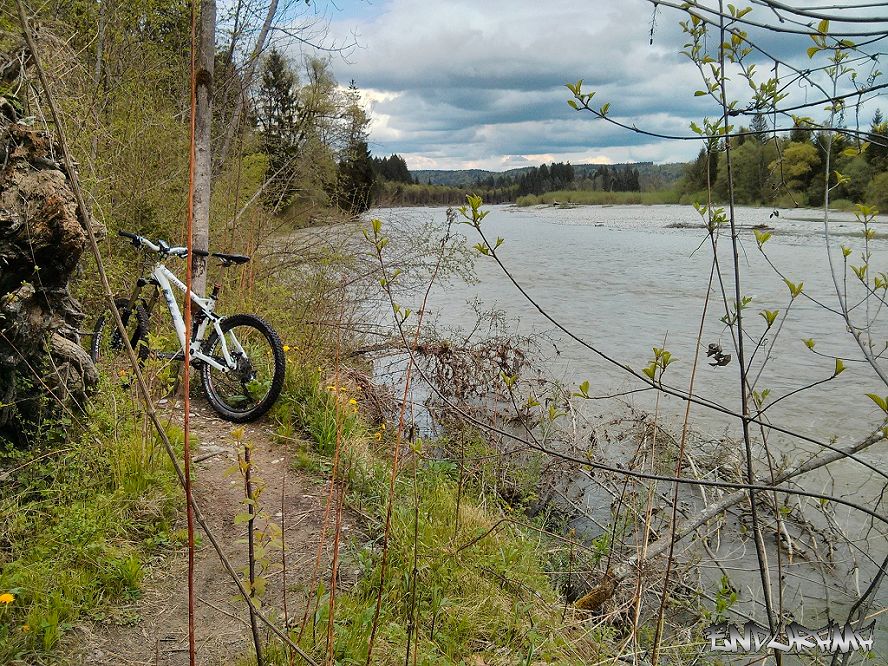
{"points": [[140, 241], [160, 246]]}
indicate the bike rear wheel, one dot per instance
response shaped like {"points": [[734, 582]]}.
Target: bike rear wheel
{"points": [[248, 391]]}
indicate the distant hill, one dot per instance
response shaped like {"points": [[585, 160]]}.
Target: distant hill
{"points": [[663, 175], [455, 178]]}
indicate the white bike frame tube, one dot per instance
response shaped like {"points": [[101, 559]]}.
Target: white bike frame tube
{"points": [[165, 278]]}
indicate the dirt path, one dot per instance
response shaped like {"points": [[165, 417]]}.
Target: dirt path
{"points": [[154, 629]]}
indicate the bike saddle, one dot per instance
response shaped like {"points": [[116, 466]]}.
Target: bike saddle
{"points": [[230, 259]]}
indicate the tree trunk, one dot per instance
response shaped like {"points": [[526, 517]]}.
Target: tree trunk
{"points": [[43, 369], [203, 150]]}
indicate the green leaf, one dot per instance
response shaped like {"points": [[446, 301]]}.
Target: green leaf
{"points": [[809, 343], [573, 104], [759, 398], [812, 51], [794, 289], [584, 388], [879, 400], [840, 368], [769, 316], [761, 237]]}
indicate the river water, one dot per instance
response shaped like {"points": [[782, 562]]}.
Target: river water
{"points": [[628, 278]]}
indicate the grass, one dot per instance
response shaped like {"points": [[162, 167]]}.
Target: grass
{"points": [[599, 198], [78, 525], [490, 600]]}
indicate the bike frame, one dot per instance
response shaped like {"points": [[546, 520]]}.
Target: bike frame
{"points": [[164, 280]]}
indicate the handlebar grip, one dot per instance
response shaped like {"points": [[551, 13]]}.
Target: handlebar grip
{"points": [[135, 238]]}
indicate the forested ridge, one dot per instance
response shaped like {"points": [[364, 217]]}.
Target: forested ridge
{"points": [[787, 169]]}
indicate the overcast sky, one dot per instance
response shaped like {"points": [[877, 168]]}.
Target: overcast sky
{"points": [[480, 83]]}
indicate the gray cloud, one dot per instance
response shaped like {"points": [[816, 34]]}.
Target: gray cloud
{"points": [[481, 84]]}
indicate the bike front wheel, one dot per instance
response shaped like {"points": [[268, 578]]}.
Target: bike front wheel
{"points": [[247, 391]]}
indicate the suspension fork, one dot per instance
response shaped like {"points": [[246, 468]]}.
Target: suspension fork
{"points": [[134, 296], [149, 306]]}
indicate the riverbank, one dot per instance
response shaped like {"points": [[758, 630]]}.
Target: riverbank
{"points": [[653, 198], [597, 197]]}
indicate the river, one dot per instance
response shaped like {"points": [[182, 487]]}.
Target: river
{"points": [[629, 278]]}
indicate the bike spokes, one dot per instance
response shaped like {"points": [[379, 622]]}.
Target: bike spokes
{"points": [[250, 376]]}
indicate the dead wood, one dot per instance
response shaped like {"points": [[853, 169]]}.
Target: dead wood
{"points": [[42, 366]]}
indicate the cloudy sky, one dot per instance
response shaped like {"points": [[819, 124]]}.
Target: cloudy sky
{"points": [[480, 83]]}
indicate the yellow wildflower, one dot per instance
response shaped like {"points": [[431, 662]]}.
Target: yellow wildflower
{"points": [[26, 628], [122, 373], [378, 436], [382, 426], [331, 388], [353, 402], [7, 598], [286, 348]]}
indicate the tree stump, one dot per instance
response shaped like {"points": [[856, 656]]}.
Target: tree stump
{"points": [[44, 372]]}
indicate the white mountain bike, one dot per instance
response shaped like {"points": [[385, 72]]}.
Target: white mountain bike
{"points": [[240, 357]]}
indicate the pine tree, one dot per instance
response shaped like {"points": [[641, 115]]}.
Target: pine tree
{"points": [[277, 112], [759, 127], [356, 181]]}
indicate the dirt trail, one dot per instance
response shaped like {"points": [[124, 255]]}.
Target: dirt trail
{"points": [[154, 629]]}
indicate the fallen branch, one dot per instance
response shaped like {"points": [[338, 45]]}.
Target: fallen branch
{"points": [[622, 570]]}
